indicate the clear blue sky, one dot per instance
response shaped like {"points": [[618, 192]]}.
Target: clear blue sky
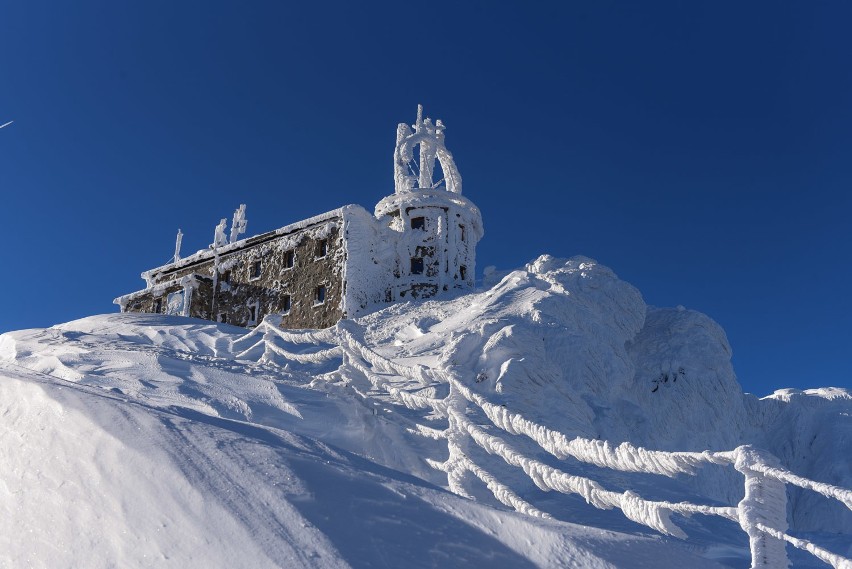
{"points": [[702, 150]]}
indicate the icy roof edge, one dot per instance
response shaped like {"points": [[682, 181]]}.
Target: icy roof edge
{"points": [[237, 245], [430, 198], [427, 197], [158, 289]]}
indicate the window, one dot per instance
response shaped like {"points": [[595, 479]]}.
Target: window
{"points": [[223, 317], [463, 272], [417, 265], [256, 269], [418, 223], [286, 304], [463, 233], [320, 295], [226, 277], [289, 259], [175, 303], [158, 306], [322, 248], [252, 314]]}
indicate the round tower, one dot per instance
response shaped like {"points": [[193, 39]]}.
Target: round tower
{"points": [[433, 228]]}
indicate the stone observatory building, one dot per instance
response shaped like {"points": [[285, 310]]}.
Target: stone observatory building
{"points": [[420, 241]]}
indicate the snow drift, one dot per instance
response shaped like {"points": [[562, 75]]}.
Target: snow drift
{"points": [[148, 439]]}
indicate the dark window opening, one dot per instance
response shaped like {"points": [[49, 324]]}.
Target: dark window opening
{"points": [[463, 233], [158, 305], [255, 270], [463, 272], [226, 277], [223, 317], [322, 248], [417, 265], [252, 314], [287, 303], [418, 223], [289, 259], [320, 294]]}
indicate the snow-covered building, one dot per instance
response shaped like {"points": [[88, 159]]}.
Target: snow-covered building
{"points": [[420, 241]]}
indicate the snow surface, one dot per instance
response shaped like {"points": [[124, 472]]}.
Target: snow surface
{"points": [[406, 437]]}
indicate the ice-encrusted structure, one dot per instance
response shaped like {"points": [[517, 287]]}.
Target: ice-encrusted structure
{"points": [[433, 229], [420, 241]]}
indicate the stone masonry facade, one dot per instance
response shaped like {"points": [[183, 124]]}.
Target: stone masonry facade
{"points": [[296, 275]]}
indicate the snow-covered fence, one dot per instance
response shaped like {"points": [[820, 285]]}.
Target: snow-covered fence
{"points": [[761, 513]]}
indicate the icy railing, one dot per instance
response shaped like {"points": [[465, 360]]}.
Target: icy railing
{"points": [[761, 513]]}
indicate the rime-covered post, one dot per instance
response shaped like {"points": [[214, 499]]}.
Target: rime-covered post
{"points": [[238, 225], [455, 464], [428, 149], [219, 239], [178, 241], [764, 503]]}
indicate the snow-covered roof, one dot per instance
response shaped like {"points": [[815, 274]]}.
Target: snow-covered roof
{"points": [[192, 280]]}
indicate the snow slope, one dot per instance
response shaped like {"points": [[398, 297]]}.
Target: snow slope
{"points": [[148, 440]]}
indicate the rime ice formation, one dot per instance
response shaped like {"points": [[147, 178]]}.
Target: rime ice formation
{"points": [[556, 393], [430, 140], [219, 239], [178, 241], [238, 224]]}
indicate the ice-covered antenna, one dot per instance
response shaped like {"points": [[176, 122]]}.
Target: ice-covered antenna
{"points": [[178, 241], [429, 137], [238, 225], [219, 239]]}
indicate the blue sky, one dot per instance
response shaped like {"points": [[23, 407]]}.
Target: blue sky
{"points": [[701, 150]]}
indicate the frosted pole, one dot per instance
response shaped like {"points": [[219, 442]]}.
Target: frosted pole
{"points": [[764, 505], [219, 239], [178, 241], [428, 151], [238, 225]]}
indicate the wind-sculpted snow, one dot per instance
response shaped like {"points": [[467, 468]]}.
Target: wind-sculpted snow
{"points": [[556, 393], [625, 457], [683, 360]]}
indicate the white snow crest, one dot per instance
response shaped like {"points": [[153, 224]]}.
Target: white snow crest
{"points": [[624, 457]]}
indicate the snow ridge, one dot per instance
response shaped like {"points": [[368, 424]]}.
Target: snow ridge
{"points": [[556, 381]]}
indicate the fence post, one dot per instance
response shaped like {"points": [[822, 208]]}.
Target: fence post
{"points": [[765, 502]]}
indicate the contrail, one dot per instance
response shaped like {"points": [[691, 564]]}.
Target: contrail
{"points": [[7, 124]]}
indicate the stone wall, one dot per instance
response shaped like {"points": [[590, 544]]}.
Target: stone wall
{"points": [[245, 292]]}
